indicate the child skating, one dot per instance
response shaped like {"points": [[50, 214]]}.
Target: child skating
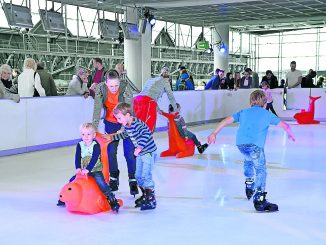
{"points": [[183, 130], [250, 140], [145, 152]]}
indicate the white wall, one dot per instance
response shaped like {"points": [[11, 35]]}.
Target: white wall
{"points": [[45, 120], [36, 122]]}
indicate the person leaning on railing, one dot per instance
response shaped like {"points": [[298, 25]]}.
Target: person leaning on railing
{"points": [[78, 84], [7, 89]]}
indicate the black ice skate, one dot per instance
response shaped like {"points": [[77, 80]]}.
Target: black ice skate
{"points": [[133, 185], [202, 148], [262, 205], [150, 202], [114, 180], [140, 200], [250, 188], [61, 203], [114, 204]]}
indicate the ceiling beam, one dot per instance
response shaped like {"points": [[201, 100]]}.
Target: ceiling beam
{"points": [[188, 3], [276, 21]]}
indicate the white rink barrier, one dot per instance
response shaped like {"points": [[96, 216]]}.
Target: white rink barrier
{"points": [[48, 122]]}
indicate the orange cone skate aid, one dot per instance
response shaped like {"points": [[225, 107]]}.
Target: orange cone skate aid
{"points": [[178, 146]]}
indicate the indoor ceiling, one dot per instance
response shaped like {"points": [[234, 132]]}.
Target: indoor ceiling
{"points": [[245, 15]]}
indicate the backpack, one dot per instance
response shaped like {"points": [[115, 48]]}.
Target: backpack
{"points": [[183, 85]]}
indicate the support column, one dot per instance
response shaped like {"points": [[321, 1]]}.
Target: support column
{"points": [[221, 34], [137, 53], [146, 54]]}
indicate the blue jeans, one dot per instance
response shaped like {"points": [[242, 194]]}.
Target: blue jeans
{"points": [[254, 164], [191, 135], [100, 181], [144, 167], [194, 138], [128, 148]]}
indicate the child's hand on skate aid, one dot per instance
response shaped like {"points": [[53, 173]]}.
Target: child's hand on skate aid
{"points": [[107, 136], [84, 171]]}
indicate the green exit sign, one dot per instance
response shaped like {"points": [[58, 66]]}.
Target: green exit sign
{"points": [[203, 45]]}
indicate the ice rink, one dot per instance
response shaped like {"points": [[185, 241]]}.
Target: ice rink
{"points": [[201, 199]]}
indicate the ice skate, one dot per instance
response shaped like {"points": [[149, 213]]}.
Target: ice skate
{"points": [[114, 180], [202, 148], [150, 201], [140, 200], [262, 205], [133, 185], [114, 204], [61, 203], [250, 188]]}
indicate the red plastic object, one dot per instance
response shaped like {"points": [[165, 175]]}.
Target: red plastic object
{"points": [[145, 110], [104, 154], [84, 196], [178, 146], [307, 117]]}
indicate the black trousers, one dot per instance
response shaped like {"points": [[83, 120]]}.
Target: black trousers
{"points": [[269, 106]]}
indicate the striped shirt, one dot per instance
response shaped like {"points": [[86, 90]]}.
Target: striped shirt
{"points": [[140, 136]]}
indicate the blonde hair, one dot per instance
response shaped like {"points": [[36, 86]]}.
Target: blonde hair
{"points": [[258, 97], [29, 63], [122, 108], [88, 126], [6, 68]]}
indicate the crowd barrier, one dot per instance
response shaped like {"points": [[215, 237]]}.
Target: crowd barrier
{"points": [[48, 122]]}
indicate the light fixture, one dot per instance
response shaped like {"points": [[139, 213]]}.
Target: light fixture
{"points": [[152, 20], [210, 50], [149, 17], [222, 47]]}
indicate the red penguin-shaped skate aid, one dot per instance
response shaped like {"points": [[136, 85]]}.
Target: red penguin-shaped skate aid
{"points": [[307, 117], [178, 146]]}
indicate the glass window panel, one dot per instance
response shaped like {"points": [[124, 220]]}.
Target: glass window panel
{"points": [[245, 43], [303, 36], [267, 64], [322, 63], [299, 49], [159, 25], [235, 42], [268, 50]]}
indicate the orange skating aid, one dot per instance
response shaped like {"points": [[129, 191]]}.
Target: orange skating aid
{"points": [[307, 117], [83, 195], [178, 146], [104, 154]]}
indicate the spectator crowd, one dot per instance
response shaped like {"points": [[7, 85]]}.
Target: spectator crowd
{"points": [[35, 80]]}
